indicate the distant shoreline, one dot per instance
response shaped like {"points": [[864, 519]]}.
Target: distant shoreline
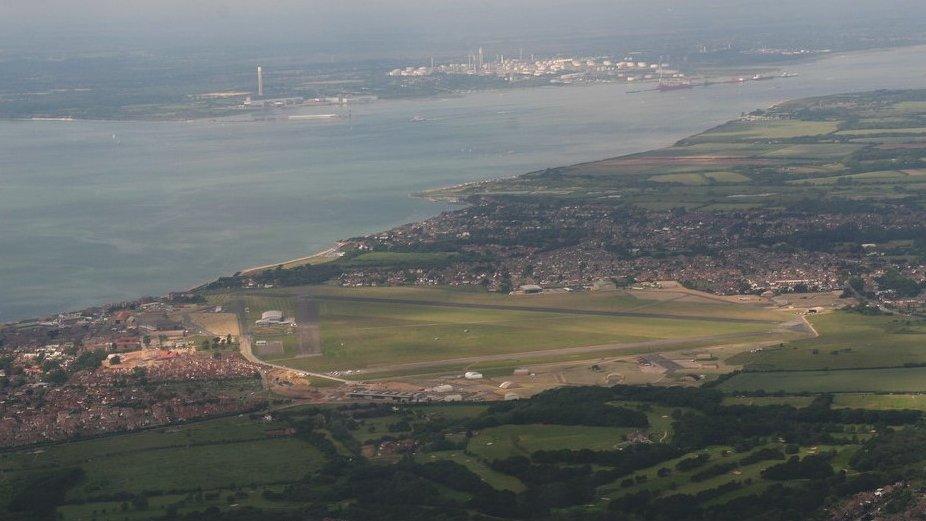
{"points": [[460, 93], [228, 117]]}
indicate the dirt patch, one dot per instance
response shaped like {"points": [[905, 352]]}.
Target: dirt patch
{"points": [[146, 358], [218, 324], [272, 347]]}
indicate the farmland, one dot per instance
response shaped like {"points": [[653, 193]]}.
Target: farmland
{"points": [[798, 150], [892, 380], [213, 455]]}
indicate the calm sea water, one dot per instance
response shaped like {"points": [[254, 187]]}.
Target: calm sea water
{"points": [[94, 212]]}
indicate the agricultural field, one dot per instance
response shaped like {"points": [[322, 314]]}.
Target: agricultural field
{"points": [[773, 129], [759, 401], [217, 455], [891, 380], [803, 150], [881, 401]]}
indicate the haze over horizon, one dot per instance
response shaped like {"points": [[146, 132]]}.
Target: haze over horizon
{"points": [[369, 29]]}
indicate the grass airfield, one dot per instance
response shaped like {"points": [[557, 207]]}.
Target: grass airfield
{"points": [[394, 332], [421, 335]]}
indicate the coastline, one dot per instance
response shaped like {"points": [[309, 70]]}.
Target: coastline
{"points": [[325, 255], [439, 194], [236, 117], [773, 65]]}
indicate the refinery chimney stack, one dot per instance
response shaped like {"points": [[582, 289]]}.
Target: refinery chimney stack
{"points": [[260, 81]]}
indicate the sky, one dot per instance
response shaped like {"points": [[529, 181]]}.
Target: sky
{"points": [[387, 24]]}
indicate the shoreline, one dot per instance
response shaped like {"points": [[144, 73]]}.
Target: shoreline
{"points": [[331, 253], [775, 65], [435, 195], [819, 56]]}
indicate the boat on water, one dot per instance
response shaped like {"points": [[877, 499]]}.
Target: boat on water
{"points": [[313, 116], [675, 85]]}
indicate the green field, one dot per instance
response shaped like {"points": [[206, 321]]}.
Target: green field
{"points": [[876, 131], [400, 258], [494, 478], [509, 440], [379, 328], [595, 301], [215, 454], [894, 380], [758, 401], [747, 131], [881, 401], [847, 340]]}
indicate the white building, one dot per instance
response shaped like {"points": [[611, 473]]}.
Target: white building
{"points": [[270, 317]]}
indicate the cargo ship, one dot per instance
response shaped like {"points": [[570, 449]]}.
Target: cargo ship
{"points": [[669, 86]]}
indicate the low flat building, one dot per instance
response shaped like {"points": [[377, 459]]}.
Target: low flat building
{"points": [[270, 317]]}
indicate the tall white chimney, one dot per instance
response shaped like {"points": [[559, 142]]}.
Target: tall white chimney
{"points": [[260, 81]]}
